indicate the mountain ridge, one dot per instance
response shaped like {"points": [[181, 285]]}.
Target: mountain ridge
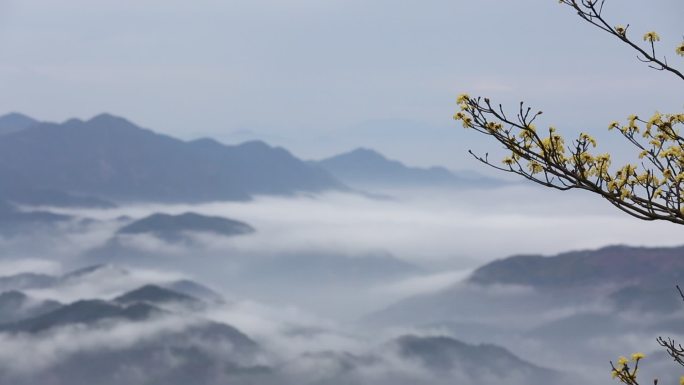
{"points": [[367, 167], [112, 158]]}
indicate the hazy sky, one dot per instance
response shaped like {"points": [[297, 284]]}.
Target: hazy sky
{"points": [[323, 76]]}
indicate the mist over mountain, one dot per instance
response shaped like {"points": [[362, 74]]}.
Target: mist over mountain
{"points": [[13, 220], [620, 278], [112, 158], [276, 299], [139, 338], [15, 305], [445, 354], [578, 300], [154, 294], [163, 347], [26, 280], [364, 167], [606, 266], [173, 227]]}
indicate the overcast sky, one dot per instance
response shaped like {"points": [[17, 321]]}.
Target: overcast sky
{"points": [[323, 76]]}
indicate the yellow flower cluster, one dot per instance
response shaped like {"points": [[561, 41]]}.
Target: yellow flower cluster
{"points": [[658, 138], [465, 105], [624, 373], [638, 356]]}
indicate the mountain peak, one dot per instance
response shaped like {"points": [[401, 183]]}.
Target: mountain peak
{"points": [[367, 153], [154, 294], [110, 120], [15, 121], [105, 268], [255, 144], [17, 117], [171, 227], [206, 142]]}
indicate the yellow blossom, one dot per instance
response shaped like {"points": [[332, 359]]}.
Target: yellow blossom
{"points": [[621, 30], [680, 49], [638, 356], [624, 193], [535, 167], [588, 138], [681, 380], [459, 116], [679, 178], [622, 361], [656, 119], [462, 98], [493, 126], [651, 37]]}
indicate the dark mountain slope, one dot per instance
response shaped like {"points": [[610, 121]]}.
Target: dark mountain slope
{"points": [[478, 361], [155, 295], [15, 306], [172, 227], [86, 312], [609, 265]]}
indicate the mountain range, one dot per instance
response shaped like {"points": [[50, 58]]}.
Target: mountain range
{"points": [[140, 337], [366, 168], [618, 278], [108, 160], [113, 159], [623, 265]]}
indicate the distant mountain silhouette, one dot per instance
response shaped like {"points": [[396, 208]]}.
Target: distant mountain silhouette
{"points": [[194, 289], [25, 194], [618, 279], [154, 294], [13, 220], [85, 312], [24, 281], [175, 352], [478, 361], [367, 168], [182, 290], [609, 265], [15, 306], [14, 122], [173, 227], [443, 357], [112, 158]]}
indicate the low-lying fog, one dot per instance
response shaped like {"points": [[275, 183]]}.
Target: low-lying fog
{"points": [[432, 228], [316, 266], [444, 234]]}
